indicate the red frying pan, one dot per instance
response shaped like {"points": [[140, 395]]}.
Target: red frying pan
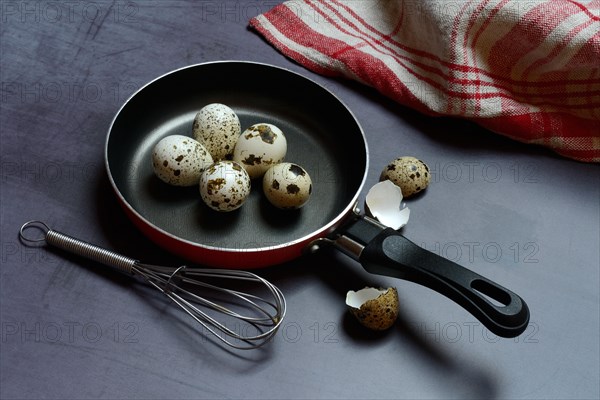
{"points": [[324, 137]]}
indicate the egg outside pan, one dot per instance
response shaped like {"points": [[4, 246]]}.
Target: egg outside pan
{"points": [[376, 309], [409, 173]]}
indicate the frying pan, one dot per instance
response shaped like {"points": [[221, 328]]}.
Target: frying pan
{"points": [[324, 137]]}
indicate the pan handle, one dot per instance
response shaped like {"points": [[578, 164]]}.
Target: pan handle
{"points": [[384, 251]]}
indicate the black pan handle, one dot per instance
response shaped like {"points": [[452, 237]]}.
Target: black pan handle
{"points": [[384, 251]]}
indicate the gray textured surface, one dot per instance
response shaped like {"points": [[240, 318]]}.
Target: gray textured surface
{"points": [[518, 215]]}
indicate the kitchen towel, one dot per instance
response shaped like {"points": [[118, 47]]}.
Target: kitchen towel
{"points": [[529, 70]]}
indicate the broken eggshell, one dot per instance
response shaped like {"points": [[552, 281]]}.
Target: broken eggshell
{"points": [[383, 203], [374, 308]]}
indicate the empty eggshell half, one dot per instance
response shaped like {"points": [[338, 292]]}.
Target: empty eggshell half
{"points": [[374, 308], [383, 203]]}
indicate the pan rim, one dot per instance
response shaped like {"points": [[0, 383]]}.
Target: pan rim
{"points": [[323, 230]]}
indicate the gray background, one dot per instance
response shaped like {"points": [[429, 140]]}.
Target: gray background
{"points": [[517, 214]]}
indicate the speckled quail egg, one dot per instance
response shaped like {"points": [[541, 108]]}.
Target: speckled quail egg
{"points": [[217, 127], [179, 160], [409, 173], [224, 186], [287, 185], [374, 308], [259, 147]]}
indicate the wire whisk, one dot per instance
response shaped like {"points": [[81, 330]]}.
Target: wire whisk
{"points": [[253, 319]]}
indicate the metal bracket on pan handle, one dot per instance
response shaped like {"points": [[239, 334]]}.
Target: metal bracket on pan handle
{"points": [[341, 242]]}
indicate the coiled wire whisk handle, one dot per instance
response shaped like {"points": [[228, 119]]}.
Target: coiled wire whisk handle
{"points": [[77, 246]]}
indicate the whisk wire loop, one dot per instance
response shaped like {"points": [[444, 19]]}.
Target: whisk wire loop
{"points": [[243, 297], [175, 278], [265, 316]]}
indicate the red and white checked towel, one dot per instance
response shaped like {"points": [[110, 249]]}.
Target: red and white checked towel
{"points": [[529, 70]]}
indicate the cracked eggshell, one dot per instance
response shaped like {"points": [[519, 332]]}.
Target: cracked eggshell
{"points": [[409, 173], [217, 127], [224, 186], [259, 147], [375, 309], [383, 203], [180, 160], [287, 185]]}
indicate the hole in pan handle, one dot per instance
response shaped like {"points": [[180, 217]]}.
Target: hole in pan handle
{"points": [[384, 251]]}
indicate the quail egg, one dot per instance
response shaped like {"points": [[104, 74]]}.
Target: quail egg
{"points": [[179, 160], [224, 186], [259, 147], [287, 185], [409, 173], [374, 308], [217, 127]]}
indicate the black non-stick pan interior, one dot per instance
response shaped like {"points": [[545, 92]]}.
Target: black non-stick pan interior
{"points": [[322, 134]]}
